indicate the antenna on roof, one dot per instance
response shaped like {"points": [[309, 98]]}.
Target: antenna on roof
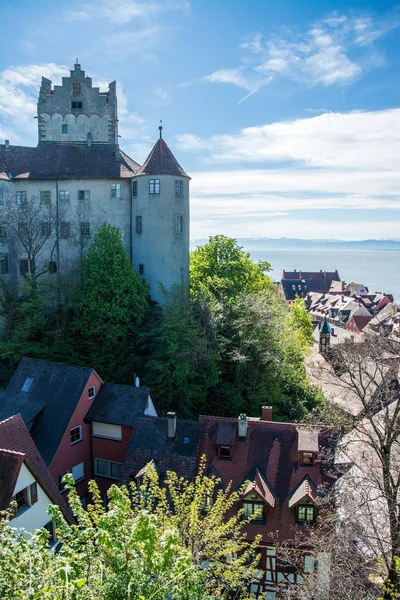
{"points": [[160, 128], [77, 62]]}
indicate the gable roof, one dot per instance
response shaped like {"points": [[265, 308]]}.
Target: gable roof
{"points": [[10, 467], [305, 490], [50, 160], [161, 161], [118, 404], [269, 458], [50, 402], [149, 441], [15, 438]]}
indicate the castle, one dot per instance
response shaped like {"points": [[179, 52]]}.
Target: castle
{"points": [[79, 177]]}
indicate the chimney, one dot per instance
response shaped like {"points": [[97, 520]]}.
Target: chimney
{"points": [[171, 425], [242, 427], [7, 144], [266, 413], [89, 139]]}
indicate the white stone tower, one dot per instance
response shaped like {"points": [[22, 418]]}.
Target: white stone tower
{"points": [[77, 112], [160, 222]]}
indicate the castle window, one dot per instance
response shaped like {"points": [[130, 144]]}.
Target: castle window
{"points": [[63, 196], [45, 198], [83, 195], [45, 228], [76, 105], [23, 268], [20, 198], [134, 188], [4, 265], [115, 190], [138, 224], [52, 266], [85, 229], [3, 231], [154, 186], [64, 229], [22, 229], [141, 269], [178, 187], [179, 224], [64, 128], [76, 88]]}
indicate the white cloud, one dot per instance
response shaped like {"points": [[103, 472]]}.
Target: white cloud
{"points": [[122, 12], [19, 88], [333, 50], [341, 164]]}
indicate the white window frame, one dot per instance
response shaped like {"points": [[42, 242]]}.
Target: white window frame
{"points": [[86, 195], [63, 195], [154, 186], [45, 198], [110, 462], [179, 224], [80, 434], [115, 190], [91, 396], [80, 467], [20, 197]]}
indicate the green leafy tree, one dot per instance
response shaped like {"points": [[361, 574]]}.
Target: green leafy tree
{"points": [[141, 546], [111, 305], [302, 323], [222, 270]]}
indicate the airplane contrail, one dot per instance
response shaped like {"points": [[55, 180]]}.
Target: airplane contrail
{"points": [[254, 91]]}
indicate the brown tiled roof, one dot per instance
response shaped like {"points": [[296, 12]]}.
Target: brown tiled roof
{"points": [[10, 466], [259, 485], [226, 434], [322, 279], [304, 491], [150, 441], [14, 436], [51, 160], [161, 161], [272, 449]]}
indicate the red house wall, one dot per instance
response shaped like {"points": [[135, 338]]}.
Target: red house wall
{"points": [[68, 456], [113, 450]]}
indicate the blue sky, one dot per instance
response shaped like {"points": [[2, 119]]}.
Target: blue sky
{"points": [[285, 113]]}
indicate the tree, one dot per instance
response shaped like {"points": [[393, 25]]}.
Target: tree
{"points": [[110, 308], [222, 270], [363, 374], [182, 362], [140, 547]]}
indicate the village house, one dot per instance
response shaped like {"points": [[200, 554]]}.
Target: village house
{"points": [[279, 466], [25, 479], [74, 434]]}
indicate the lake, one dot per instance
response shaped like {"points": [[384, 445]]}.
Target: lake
{"points": [[378, 270]]}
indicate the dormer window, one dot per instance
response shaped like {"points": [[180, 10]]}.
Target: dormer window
{"points": [[27, 385], [307, 458], [305, 514], [225, 452], [254, 509]]}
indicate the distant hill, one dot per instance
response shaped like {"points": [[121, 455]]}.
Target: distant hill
{"points": [[292, 244]]}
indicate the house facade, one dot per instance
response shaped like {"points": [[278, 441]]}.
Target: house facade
{"points": [[77, 177]]}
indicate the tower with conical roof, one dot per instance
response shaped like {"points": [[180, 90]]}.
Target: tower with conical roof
{"points": [[160, 222], [325, 337]]}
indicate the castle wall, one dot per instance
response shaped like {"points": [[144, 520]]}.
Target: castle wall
{"points": [[162, 251]]}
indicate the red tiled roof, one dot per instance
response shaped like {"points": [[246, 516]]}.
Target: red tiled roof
{"points": [[14, 436], [272, 449], [258, 485], [161, 161], [10, 466], [304, 491]]}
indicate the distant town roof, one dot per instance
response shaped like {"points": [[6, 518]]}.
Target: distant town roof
{"points": [[56, 160], [161, 161], [297, 288], [322, 279]]}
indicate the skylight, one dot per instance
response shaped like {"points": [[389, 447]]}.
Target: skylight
{"points": [[27, 385]]}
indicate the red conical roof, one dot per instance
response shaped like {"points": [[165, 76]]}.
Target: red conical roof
{"points": [[161, 161]]}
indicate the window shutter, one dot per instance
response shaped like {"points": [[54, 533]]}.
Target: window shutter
{"points": [[34, 493]]}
